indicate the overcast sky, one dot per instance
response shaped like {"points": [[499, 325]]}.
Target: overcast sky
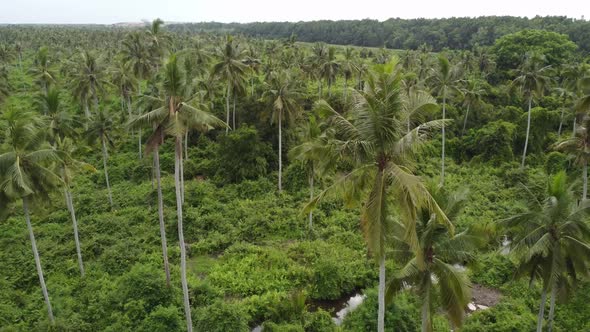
{"points": [[113, 11]]}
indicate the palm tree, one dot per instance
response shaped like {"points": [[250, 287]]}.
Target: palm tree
{"points": [[472, 97], [445, 82], [4, 83], [348, 67], [24, 172], [60, 122], [284, 94], [135, 53], [431, 269], [372, 137], [173, 116], [579, 147], [551, 239], [318, 57], [41, 70], [100, 128], [88, 78], [232, 70], [531, 79], [158, 42], [328, 69], [66, 167]]}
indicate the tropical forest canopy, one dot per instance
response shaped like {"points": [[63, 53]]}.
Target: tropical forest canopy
{"points": [[239, 177]]}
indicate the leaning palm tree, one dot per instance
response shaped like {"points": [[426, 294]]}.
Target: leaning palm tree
{"points": [[551, 239], [372, 137], [100, 128], [531, 79], [284, 94], [174, 113], [25, 173], [66, 168], [232, 70], [4, 83], [431, 269], [445, 82]]}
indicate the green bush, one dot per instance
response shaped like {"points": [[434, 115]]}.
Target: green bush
{"points": [[221, 317]]}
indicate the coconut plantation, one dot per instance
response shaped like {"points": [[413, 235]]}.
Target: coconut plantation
{"points": [[314, 176]]}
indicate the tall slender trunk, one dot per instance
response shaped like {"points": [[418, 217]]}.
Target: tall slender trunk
{"points": [[320, 87], [345, 89], [560, 123], [426, 319], [280, 151], [181, 173], [310, 199], [329, 87], [227, 107], [86, 109], [70, 206], [444, 114], [37, 260], [585, 177], [465, 120], [139, 143], [105, 156], [574, 126], [381, 310], [552, 307], [528, 129], [94, 96], [187, 307], [186, 145], [234, 114], [161, 215], [129, 109], [541, 311]]}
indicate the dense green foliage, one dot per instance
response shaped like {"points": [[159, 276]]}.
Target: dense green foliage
{"points": [[84, 108]]}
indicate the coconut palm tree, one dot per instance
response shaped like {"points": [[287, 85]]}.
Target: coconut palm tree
{"points": [[60, 122], [173, 115], [284, 94], [472, 97], [41, 70], [551, 239], [4, 83], [25, 173], [531, 79], [579, 147], [348, 67], [158, 42], [232, 70], [88, 78], [66, 167], [100, 128], [372, 137], [445, 82], [431, 269]]}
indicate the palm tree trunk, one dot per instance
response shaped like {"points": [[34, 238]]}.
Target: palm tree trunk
{"points": [[181, 173], [574, 126], [280, 152], [320, 88], [465, 120], [86, 109], [310, 199], [187, 307], [444, 114], [585, 177], [528, 129], [161, 216], [139, 143], [234, 114], [94, 96], [37, 260], [227, 107], [541, 311], [426, 319], [560, 123], [186, 145], [105, 156], [345, 89], [70, 206], [381, 310], [552, 308]]}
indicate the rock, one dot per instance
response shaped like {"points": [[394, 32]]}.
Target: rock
{"points": [[471, 307]]}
